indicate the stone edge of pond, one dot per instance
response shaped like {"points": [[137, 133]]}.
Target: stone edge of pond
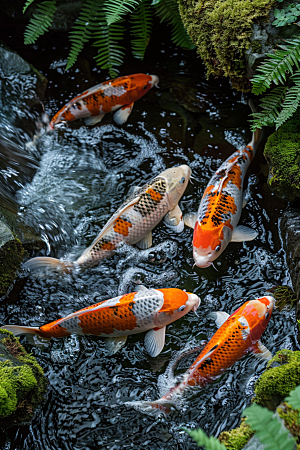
{"points": [[281, 376], [22, 382]]}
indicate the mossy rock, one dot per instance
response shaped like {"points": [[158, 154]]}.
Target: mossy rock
{"points": [[281, 376], [291, 419], [238, 437], [284, 297], [282, 152], [221, 31], [22, 382], [11, 256]]}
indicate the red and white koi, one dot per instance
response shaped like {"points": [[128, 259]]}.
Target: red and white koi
{"points": [[238, 334], [117, 94], [133, 222], [147, 310], [215, 224]]}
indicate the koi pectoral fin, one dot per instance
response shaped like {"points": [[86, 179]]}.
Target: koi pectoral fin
{"points": [[173, 219], [146, 242], [242, 233], [155, 341], [123, 113], [219, 317], [114, 344], [92, 120], [190, 220], [261, 351]]}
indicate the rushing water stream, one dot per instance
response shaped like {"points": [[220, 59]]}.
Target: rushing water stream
{"points": [[83, 175]]}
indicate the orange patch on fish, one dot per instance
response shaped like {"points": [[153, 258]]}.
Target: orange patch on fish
{"points": [[173, 299], [107, 246], [156, 196], [205, 237], [67, 115], [122, 226], [53, 329]]}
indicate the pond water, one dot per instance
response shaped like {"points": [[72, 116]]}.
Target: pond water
{"points": [[83, 175]]}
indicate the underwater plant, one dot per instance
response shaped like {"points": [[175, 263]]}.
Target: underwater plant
{"points": [[268, 430], [101, 22]]}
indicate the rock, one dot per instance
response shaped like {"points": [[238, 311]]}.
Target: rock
{"points": [[11, 256], [290, 231], [22, 382], [281, 376]]}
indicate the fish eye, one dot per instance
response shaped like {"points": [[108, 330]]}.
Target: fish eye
{"points": [[267, 315], [182, 180], [218, 248], [145, 87], [181, 308]]}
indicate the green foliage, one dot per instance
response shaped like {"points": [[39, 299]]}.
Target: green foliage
{"points": [[294, 398], [286, 16], [268, 429], [40, 22], [201, 438], [100, 23], [281, 67]]}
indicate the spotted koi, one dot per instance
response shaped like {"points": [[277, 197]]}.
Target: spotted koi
{"points": [[133, 222], [238, 334], [146, 310], [117, 95], [215, 224]]}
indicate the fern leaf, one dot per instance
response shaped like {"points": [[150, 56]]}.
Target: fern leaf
{"points": [[83, 29], [167, 11], [40, 22], [141, 26], [110, 54], [115, 9], [277, 66], [201, 438], [28, 3], [270, 105], [294, 398], [290, 105], [268, 429]]}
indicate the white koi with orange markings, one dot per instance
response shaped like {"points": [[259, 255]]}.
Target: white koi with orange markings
{"points": [[220, 208]]}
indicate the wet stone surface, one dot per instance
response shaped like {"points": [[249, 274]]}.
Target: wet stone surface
{"points": [[84, 174]]}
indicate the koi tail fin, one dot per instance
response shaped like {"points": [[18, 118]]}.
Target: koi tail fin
{"points": [[155, 408], [46, 262], [256, 135], [17, 330]]}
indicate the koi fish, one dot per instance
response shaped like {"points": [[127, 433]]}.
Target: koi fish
{"points": [[238, 334], [117, 94], [146, 310], [133, 222], [215, 224]]}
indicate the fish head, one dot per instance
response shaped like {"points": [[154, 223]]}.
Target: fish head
{"points": [[257, 314], [177, 179], [141, 84], [177, 303], [64, 115], [209, 243]]}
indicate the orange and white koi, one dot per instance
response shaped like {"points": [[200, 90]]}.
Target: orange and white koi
{"points": [[238, 334], [133, 222], [146, 310], [215, 224], [117, 94]]}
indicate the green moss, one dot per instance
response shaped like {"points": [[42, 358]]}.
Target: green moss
{"points": [[281, 376], [256, 46], [22, 382], [221, 31], [284, 296], [291, 420], [282, 152], [11, 256], [237, 438]]}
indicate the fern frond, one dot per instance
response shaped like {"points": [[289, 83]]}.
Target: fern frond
{"points": [[110, 54], [290, 105], [294, 398], [40, 22], [83, 28], [141, 26], [115, 9], [201, 438], [167, 11], [268, 429], [277, 66], [28, 3], [270, 104]]}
